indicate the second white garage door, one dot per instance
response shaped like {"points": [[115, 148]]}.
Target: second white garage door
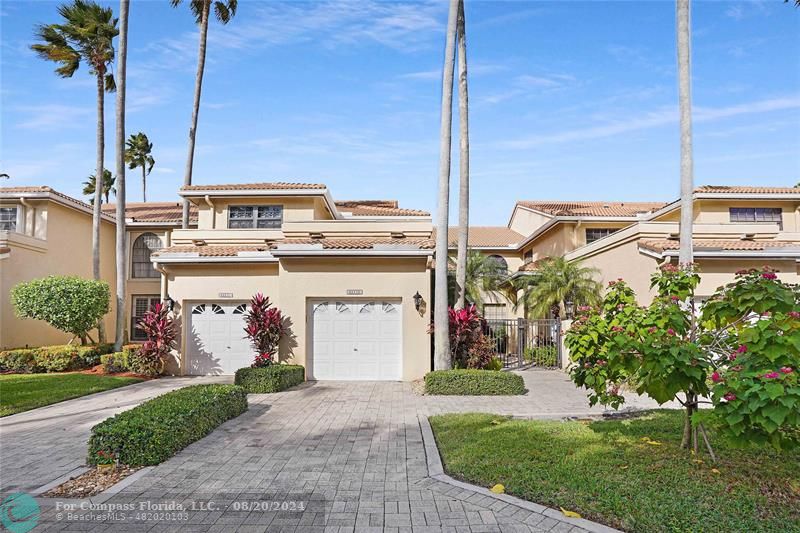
{"points": [[356, 340]]}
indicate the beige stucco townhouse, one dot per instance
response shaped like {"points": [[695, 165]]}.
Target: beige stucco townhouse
{"points": [[352, 279]]}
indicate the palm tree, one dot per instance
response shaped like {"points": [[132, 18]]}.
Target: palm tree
{"points": [[463, 189], [122, 256], [442, 359], [224, 11], [86, 34], [137, 154], [484, 274], [555, 282], [90, 186], [686, 253]]}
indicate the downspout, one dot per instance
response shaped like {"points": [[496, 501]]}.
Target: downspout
{"points": [[164, 289], [29, 207], [213, 212]]}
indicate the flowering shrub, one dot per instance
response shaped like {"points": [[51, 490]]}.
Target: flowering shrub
{"points": [[264, 326], [469, 348], [742, 351], [161, 333]]}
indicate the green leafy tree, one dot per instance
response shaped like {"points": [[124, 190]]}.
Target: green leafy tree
{"points": [[742, 351], [86, 35], [138, 150], [555, 282], [484, 274], [224, 10], [108, 186], [68, 303]]}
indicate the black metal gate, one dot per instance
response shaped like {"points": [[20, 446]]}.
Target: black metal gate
{"points": [[521, 343]]}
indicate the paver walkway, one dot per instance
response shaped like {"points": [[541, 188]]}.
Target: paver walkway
{"points": [[351, 453], [44, 444]]}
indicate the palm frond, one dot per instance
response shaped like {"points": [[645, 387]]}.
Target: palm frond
{"points": [[557, 281]]}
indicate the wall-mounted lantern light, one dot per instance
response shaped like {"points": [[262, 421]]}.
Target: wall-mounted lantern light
{"points": [[170, 303], [417, 300]]}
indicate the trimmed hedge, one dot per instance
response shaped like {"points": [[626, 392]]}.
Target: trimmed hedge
{"points": [[62, 358], [159, 428], [473, 383], [120, 361], [273, 378]]}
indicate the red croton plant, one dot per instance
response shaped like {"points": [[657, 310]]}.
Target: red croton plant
{"points": [[161, 334], [739, 352], [264, 326], [469, 347]]}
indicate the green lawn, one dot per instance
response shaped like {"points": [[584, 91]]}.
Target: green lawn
{"points": [[606, 472], [21, 392]]}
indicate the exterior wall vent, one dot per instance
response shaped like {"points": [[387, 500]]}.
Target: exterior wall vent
{"points": [[198, 242], [316, 235]]}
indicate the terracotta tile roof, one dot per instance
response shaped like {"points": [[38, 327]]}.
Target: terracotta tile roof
{"points": [[211, 250], [532, 266], [5, 250], [276, 185], [377, 208], [362, 243], [153, 211], [486, 236], [44, 189], [746, 189], [593, 209], [660, 245]]}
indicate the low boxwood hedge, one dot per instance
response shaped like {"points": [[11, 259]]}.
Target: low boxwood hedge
{"points": [[273, 378], [119, 361], [473, 383], [61, 358], [159, 428]]}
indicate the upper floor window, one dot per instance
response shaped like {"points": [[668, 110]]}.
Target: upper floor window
{"points": [[8, 218], [593, 234], [144, 245], [255, 216], [527, 256], [757, 214], [501, 263]]}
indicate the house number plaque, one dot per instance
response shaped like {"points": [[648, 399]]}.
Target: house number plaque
{"points": [[355, 292]]}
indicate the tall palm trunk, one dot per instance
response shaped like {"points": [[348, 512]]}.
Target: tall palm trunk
{"points": [[98, 189], [442, 358], [122, 256], [198, 87], [685, 101], [463, 189], [144, 185]]}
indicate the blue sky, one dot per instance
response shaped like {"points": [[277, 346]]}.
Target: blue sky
{"points": [[569, 100]]}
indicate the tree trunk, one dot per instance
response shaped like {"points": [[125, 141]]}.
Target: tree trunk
{"points": [[198, 87], [686, 441], [463, 189], [442, 359], [686, 253], [98, 190], [122, 256], [144, 185]]}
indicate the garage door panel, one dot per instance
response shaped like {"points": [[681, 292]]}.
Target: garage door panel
{"points": [[217, 343], [356, 340]]}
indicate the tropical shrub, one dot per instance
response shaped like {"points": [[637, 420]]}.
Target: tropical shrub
{"points": [[61, 358], [68, 303], [116, 362], [150, 358], [541, 355], [555, 282], [469, 348], [159, 428], [742, 350], [272, 378], [264, 326], [470, 382]]}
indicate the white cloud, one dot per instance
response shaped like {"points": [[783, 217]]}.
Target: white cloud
{"points": [[52, 116], [527, 84], [652, 119], [476, 69], [163, 170]]}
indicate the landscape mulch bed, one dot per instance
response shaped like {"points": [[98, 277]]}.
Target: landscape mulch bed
{"points": [[90, 483]]}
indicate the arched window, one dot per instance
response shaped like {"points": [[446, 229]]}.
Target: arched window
{"points": [[144, 245], [500, 262]]}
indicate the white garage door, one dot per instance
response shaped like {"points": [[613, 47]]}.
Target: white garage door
{"points": [[217, 343], [356, 340]]}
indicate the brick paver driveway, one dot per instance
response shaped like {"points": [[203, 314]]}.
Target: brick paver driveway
{"points": [[353, 453]]}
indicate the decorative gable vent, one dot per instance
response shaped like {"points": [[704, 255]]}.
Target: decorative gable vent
{"points": [[316, 235], [398, 235]]}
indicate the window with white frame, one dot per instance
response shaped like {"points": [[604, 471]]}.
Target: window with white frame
{"points": [[754, 215], [139, 306], [593, 234], [500, 263], [527, 256], [8, 218], [143, 247], [255, 216]]}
